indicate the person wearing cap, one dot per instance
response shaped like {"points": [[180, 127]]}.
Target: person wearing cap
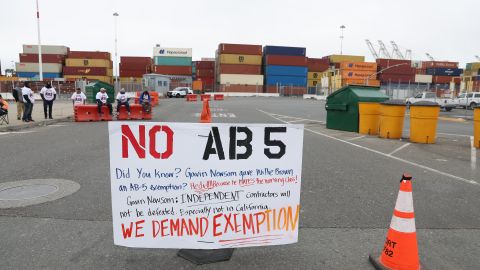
{"points": [[17, 95], [122, 100], [78, 98], [28, 101], [102, 100], [3, 106], [48, 95]]}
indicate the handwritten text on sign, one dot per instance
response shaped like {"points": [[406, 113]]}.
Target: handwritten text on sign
{"points": [[205, 186]]}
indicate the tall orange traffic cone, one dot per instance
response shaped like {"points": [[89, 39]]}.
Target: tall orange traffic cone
{"points": [[206, 116], [400, 250]]}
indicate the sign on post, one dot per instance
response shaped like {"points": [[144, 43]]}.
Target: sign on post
{"points": [[205, 186]]}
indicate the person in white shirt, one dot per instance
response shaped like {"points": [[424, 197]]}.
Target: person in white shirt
{"points": [[122, 99], [78, 98], [102, 100], [48, 95], [28, 100]]}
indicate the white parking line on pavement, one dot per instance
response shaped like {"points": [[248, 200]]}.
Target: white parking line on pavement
{"points": [[356, 138], [398, 149], [473, 154], [385, 155]]}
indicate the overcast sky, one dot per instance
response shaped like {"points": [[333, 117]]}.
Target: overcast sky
{"points": [[448, 30]]}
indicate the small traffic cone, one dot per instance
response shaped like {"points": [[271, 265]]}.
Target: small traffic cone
{"points": [[400, 250], [206, 116]]}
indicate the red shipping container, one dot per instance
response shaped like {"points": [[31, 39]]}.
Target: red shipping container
{"points": [[206, 79], [240, 69], [132, 73], [91, 71], [136, 67], [89, 55], [205, 64], [439, 64], [390, 62], [135, 60], [285, 60], [46, 58], [442, 79], [240, 88], [395, 78], [239, 49], [398, 70], [205, 73], [173, 70]]}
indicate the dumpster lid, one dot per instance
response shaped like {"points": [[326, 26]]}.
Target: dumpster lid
{"points": [[368, 93], [425, 103], [394, 102]]}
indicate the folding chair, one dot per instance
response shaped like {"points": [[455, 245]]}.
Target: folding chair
{"points": [[4, 119]]}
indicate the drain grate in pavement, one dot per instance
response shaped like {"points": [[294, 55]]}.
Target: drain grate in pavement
{"points": [[35, 191]]}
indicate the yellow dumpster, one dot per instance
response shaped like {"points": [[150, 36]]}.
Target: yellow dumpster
{"points": [[369, 117], [476, 127], [423, 121], [392, 113]]}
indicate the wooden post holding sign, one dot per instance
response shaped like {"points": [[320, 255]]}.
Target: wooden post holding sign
{"points": [[206, 187]]}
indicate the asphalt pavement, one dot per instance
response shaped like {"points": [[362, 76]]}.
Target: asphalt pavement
{"points": [[349, 187]]}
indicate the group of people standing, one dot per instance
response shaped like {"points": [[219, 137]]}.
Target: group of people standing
{"points": [[25, 99]]}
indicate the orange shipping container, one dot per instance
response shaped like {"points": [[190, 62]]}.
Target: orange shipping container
{"points": [[366, 66], [357, 74], [371, 82]]}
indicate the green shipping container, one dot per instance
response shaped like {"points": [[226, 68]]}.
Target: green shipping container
{"points": [[342, 106], [93, 88], [172, 61]]}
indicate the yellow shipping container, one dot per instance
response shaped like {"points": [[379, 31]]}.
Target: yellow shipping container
{"points": [[313, 83], [74, 62], [240, 59], [315, 75], [110, 72], [8, 79], [106, 79], [131, 79], [474, 66], [337, 58]]}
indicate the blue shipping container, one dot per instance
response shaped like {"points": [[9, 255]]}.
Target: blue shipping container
{"points": [[286, 80], [312, 90], [172, 61], [37, 75], [272, 70], [278, 50], [444, 71]]}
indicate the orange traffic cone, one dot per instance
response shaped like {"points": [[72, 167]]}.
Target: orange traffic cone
{"points": [[400, 250], [206, 116]]}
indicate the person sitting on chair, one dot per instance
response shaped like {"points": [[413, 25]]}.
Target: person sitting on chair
{"points": [[145, 100], [122, 99], [102, 100], [3, 106]]}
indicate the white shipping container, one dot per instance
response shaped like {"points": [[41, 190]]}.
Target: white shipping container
{"points": [[46, 49], [420, 78], [33, 67], [241, 79], [172, 52]]}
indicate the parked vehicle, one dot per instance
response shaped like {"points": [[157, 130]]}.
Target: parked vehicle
{"points": [[179, 92], [445, 103], [468, 100]]}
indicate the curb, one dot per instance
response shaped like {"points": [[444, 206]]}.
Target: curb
{"points": [[35, 124]]}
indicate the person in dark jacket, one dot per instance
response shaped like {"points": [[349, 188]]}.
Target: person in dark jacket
{"points": [[17, 95], [48, 95], [28, 100]]}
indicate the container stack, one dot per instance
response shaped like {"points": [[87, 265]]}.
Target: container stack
{"points": [[205, 72], [285, 70], [359, 73], [316, 70], [53, 59], [132, 68], [239, 68], [88, 65], [401, 73], [172, 61], [471, 77], [336, 59], [443, 72]]}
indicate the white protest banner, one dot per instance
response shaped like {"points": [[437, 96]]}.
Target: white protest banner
{"points": [[205, 186]]}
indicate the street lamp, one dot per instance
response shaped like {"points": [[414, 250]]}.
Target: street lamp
{"points": [[115, 15], [342, 27], [40, 68]]}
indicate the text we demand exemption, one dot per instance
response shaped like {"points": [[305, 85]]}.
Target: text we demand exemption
{"points": [[205, 186]]}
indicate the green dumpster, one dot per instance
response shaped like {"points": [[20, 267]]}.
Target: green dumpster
{"points": [[94, 87], [342, 106]]}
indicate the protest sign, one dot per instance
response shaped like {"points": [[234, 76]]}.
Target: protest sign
{"points": [[205, 186]]}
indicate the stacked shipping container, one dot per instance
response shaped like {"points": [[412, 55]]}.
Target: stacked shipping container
{"points": [[205, 73], [88, 65], [172, 61], [397, 71], [359, 73], [316, 68], [239, 68], [53, 58], [285, 70], [471, 77], [132, 68]]}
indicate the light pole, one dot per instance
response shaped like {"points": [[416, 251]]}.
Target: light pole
{"points": [[40, 68], [115, 15], [342, 27]]}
